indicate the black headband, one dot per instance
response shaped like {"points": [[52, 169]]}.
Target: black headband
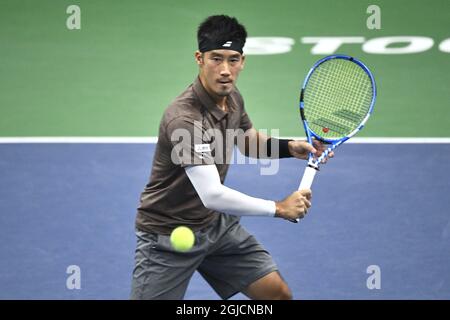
{"points": [[208, 45]]}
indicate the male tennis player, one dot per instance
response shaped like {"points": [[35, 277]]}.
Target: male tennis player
{"points": [[186, 187]]}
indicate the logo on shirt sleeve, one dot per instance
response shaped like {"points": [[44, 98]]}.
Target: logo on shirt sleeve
{"points": [[202, 148]]}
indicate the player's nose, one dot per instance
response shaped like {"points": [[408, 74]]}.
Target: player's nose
{"points": [[225, 73], [225, 70]]}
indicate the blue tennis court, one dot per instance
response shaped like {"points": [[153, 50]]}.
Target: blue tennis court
{"points": [[73, 204], [75, 73]]}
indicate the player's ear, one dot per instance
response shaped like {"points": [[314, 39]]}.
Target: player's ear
{"points": [[243, 62], [199, 58]]}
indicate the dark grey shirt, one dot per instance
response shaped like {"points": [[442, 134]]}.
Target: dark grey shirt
{"points": [[193, 131]]}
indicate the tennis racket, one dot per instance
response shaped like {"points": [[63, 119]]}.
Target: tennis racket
{"points": [[336, 100]]}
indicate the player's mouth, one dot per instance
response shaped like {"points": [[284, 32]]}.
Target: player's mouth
{"points": [[225, 81]]}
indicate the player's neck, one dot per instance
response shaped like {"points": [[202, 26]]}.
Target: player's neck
{"points": [[222, 104], [221, 101]]}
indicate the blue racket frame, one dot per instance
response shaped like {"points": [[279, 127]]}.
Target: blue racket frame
{"points": [[310, 134]]}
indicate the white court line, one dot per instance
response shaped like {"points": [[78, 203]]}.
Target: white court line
{"points": [[131, 140], [78, 140], [394, 140]]}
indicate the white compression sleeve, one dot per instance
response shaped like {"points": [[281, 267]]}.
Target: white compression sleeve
{"points": [[216, 196]]}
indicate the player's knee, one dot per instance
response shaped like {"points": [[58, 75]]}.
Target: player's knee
{"points": [[271, 287], [284, 293], [281, 292]]}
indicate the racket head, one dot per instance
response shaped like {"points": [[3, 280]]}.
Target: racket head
{"points": [[336, 99]]}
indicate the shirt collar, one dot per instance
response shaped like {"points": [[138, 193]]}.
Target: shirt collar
{"points": [[209, 103]]}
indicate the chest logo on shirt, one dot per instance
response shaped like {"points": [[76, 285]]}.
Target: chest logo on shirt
{"points": [[202, 147]]}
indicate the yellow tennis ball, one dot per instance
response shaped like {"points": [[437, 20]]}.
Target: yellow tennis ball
{"points": [[182, 239]]}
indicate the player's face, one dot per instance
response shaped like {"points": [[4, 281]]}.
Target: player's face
{"points": [[219, 70]]}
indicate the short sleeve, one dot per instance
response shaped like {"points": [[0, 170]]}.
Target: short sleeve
{"points": [[191, 145]]}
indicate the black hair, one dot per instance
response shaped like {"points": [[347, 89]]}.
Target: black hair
{"points": [[219, 29]]}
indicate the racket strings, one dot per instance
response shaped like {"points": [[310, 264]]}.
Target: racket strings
{"points": [[347, 87], [337, 98]]}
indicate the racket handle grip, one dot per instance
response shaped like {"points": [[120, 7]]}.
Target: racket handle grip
{"points": [[307, 180]]}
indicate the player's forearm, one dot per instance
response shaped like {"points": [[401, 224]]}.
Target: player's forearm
{"points": [[227, 200], [216, 196], [256, 144], [252, 144]]}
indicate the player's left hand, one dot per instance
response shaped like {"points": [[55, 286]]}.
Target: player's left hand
{"points": [[300, 149]]}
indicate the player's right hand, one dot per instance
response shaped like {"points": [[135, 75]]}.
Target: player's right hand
{"points": [[294, 206]]}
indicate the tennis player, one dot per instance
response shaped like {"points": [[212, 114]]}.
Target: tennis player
{"points": [[186, 184]]}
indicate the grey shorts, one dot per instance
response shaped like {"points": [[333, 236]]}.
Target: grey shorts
{"points": [[225, 254]]}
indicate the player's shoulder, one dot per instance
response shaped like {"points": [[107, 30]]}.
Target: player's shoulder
{"points": [[184, 107]]}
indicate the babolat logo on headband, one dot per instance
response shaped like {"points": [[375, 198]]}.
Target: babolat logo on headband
{"points": [[208, 45]]}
